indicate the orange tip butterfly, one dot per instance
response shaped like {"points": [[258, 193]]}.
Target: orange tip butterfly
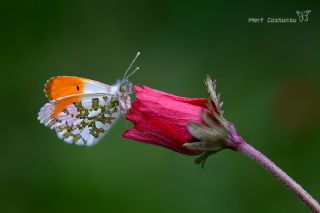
{"points": [[81, 111]]}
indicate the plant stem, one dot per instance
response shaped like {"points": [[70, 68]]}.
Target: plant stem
{"points": [[273, 169]]}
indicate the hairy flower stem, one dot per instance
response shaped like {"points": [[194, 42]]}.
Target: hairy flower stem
{"points": [[273, 169]]}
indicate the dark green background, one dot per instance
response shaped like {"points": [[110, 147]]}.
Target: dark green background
{"points": [[268, 75]]}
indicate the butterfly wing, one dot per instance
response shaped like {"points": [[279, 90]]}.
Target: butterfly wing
{"points": [[62, 86], [81, 119]]}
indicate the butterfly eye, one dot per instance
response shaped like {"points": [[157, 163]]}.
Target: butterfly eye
{"points": [[122, 89], [78, 88]]}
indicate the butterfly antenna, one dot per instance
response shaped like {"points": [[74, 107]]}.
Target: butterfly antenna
{"points": [[135, 58], [135, 70]]}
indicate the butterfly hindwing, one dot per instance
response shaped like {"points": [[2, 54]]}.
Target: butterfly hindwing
{"points": [[84, 119]]}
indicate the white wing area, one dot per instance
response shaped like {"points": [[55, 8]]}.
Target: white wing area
{"points": [[84, 122], [45, 115], [92, 86]]}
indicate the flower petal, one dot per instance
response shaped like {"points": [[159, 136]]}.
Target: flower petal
{"points": [[160, 118]]}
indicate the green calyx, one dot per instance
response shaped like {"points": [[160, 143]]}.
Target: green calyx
{"points": [[214, 133]]}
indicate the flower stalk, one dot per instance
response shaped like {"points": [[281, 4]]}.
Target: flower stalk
{"points": [[279, 174]]}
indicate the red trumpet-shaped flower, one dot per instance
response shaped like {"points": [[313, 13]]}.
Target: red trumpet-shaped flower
{"points": [[189, 126], [161, 119]]}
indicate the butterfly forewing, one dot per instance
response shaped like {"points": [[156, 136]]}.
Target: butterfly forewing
{"points": [[62, 86], [84, 121]]}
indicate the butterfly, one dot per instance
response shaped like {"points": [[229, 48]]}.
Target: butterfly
{"points": [[303, 16], [81, 111]]}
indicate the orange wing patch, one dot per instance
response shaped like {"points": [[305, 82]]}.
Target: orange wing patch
{"points": [[62, 86], [61, 104]]}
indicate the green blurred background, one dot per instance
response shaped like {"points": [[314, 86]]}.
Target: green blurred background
{"points": [[268, 75]]}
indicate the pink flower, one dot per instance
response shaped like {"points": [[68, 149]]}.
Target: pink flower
{"points": [[190, 126], [161, 119]]}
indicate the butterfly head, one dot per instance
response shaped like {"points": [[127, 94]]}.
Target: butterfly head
{"points": [[125, 86]]}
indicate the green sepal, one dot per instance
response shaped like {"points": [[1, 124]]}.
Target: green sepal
{"points": [[206, 134], [207, 120], [202, 159], [213, 96], [214, 133]]}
